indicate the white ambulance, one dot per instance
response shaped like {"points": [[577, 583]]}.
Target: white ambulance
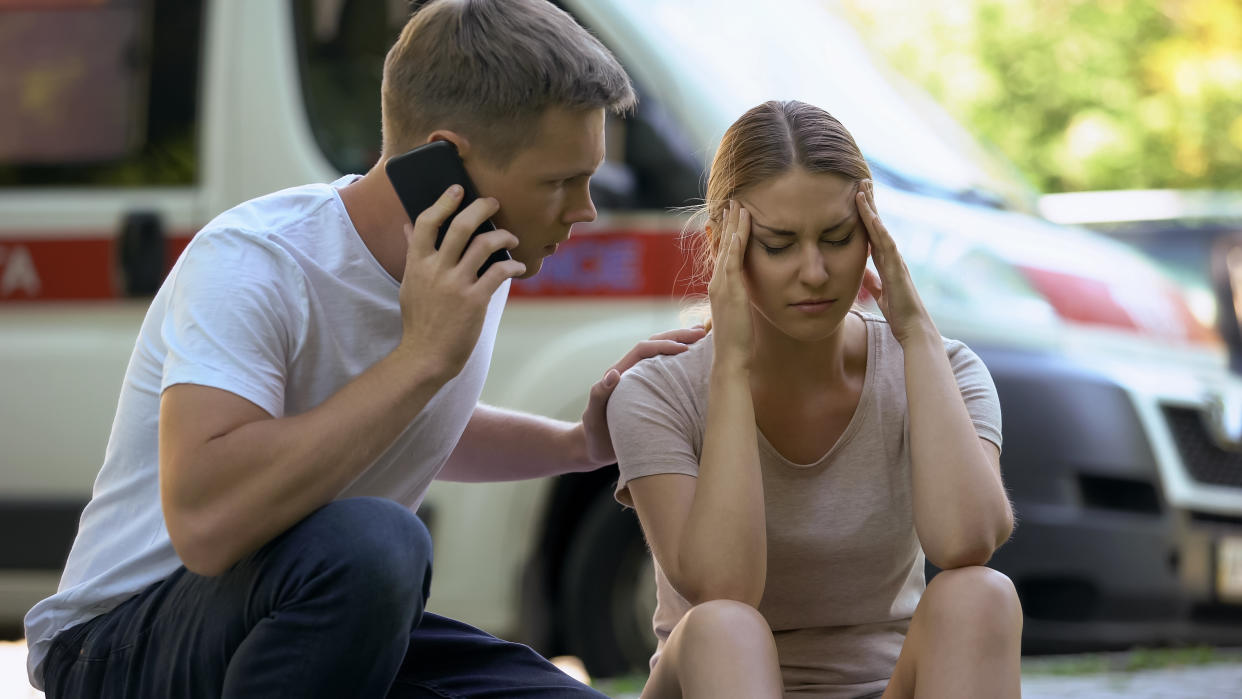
{"points": [[125, 125]]}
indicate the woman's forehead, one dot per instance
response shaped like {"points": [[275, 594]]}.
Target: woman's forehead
{"points": [[798, 199]]}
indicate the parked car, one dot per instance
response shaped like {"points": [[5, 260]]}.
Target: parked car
{"points": [[1129, 507], [1195, 235]]}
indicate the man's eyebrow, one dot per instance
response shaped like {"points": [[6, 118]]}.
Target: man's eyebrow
{"points": [[572, 175], [778, 231]]}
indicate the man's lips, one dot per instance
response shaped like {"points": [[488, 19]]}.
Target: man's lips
{"points": [[551, 248]]}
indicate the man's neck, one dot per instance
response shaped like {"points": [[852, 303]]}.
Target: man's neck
{"points": [[376, 213]]}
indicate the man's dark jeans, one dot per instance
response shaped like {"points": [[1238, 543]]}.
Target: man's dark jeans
{"points": [[331, 608]]}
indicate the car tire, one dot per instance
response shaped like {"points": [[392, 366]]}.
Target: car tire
{"points": [[608, 591]]}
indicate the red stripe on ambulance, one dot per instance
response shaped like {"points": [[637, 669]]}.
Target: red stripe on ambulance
{"points": [[613, 264]]}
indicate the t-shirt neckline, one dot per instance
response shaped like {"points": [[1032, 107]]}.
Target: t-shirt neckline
{"points": [[855, 420], [357, 239]]}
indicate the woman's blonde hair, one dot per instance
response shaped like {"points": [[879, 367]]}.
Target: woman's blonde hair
{"points": [[766, 142]]}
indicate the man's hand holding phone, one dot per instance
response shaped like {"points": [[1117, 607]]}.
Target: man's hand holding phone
{"points": [[443, 299]]}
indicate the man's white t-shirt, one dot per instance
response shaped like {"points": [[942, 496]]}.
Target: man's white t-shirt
{"points": [[278, 301]]}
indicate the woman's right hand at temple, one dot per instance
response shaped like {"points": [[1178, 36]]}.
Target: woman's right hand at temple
{"points": [[730, 302]]}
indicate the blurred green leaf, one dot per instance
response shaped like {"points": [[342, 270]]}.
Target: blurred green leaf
{"points": [[1081, 94]]}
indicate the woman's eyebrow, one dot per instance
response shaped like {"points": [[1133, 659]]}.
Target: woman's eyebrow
{"points": [[778, 231]]}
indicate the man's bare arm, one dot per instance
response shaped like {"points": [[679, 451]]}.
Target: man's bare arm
{"points": [[505, 445], [232, 477]]}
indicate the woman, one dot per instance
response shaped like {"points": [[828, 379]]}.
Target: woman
{"points": [[792, 469]]}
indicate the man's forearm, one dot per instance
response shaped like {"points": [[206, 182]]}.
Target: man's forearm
{"points": [[240, 489], [506, 445]]}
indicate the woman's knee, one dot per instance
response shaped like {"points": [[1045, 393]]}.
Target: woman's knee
{"points": [[719, 647], [973, 597], [724, 621]]}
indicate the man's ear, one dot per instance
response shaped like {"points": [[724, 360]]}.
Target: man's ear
{"points": [[456, 138]]}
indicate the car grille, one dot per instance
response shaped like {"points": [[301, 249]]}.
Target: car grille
{"points": [[1205, 460]]}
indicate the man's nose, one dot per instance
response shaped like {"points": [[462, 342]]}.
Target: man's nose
{"points": [[581, 209]]}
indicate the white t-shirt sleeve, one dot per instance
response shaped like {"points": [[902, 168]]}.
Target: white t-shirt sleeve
{"points": [[236, 317]]}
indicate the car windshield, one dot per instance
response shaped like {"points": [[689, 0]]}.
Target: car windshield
{"points": [[798, 49]]}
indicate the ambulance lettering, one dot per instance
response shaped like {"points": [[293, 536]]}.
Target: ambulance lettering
{"points": [[18, 273]]}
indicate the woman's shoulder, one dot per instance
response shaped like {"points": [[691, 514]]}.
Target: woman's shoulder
{"points": [[685, 373], [876, 321]]}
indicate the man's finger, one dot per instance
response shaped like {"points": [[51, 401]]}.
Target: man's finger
{"points": [[497, 274], [428, 223], [602, 390], [481, 247], [466, 222], [649, 348], [413, 244], [683, 335]]}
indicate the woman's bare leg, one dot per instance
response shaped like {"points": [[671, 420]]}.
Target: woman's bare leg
{"points": [[965, 639], [719, 649]]}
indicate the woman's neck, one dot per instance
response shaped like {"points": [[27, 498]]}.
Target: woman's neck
{"points": [[788, 364]]}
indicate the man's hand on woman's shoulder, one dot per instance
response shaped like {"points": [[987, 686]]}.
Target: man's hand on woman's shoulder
{"points": [[595, 418]]}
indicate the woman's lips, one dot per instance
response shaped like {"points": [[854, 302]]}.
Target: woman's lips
{"points": [[814, 305]]}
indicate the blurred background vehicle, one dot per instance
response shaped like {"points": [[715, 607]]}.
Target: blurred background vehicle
{"points": [[121, 143], [1195, 235]]}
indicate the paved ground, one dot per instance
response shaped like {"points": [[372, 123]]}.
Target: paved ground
{"points": [[1195, 682], [1175, 674], [1206, 674]]}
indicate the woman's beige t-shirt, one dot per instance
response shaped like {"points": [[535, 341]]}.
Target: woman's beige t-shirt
{"points": [[845, 569]]}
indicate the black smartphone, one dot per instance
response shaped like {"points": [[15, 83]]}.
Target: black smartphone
{"points": [[422, 175]]}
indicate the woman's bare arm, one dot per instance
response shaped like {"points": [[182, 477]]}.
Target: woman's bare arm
{"points": [[961, 511], [709, 534]]}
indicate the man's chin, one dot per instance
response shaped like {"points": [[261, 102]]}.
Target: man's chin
{"points": [[532, 268]]}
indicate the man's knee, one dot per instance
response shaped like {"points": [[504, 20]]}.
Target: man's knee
{"points": [[375, 541]]}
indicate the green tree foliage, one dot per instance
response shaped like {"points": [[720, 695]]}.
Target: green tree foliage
{"points": [[1081, 94]]}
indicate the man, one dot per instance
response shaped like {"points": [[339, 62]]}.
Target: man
{"points": [[309, 366]]}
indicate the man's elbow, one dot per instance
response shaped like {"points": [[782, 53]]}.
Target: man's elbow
{"points": [[201, 550]]}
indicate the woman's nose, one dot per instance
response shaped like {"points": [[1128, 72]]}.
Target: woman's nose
{"points": [[813, 271]]}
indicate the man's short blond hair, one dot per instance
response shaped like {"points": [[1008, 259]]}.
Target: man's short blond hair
{"points": [[489, 69]]}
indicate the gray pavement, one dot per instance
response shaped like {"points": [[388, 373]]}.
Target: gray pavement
{"points": [[1192, 682], [1089, 677], [1217, 676]]}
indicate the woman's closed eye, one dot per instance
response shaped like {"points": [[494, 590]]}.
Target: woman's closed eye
{"points": [[776, 248], [839, 241]]}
